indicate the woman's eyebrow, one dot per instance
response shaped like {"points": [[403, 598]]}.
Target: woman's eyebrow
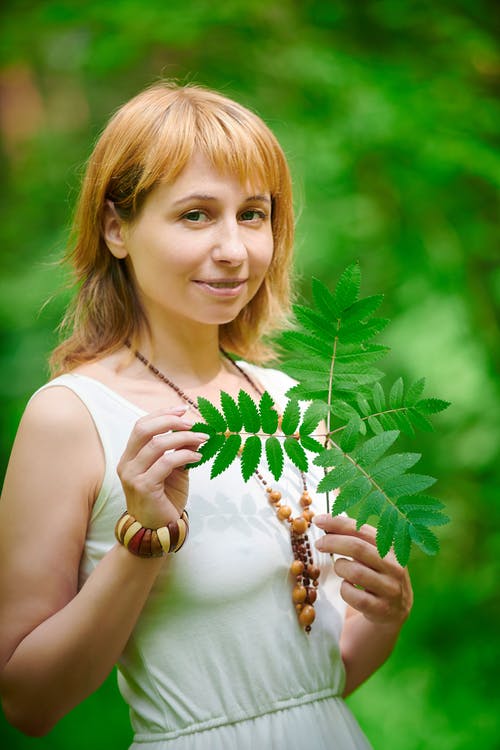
{"points": [[207, 197]]}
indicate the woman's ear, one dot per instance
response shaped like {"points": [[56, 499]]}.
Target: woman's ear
{"points": [[113, 230]]}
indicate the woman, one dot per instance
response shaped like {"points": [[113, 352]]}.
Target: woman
{"points": [[182, 250]]}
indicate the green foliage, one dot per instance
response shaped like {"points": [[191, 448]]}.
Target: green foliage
{"points": [[362, 421]]}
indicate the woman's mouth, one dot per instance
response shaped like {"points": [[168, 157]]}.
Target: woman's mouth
{"points": [[223, 287]]}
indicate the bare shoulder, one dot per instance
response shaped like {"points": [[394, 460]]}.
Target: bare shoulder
{"points": [[57, 435]]}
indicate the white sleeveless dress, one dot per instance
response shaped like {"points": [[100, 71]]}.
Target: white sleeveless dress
{"points": [[217, 660]]}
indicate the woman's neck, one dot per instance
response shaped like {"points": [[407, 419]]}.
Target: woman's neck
{"points": [[194, 361]]}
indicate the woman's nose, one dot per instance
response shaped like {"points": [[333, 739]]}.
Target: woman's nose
{"points": [[229, 246]]}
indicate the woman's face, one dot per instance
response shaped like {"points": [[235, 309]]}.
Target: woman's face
{"points": [[200, 247]]}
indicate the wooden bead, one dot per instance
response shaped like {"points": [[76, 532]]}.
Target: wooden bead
{"points": [[307, 615], [274, 496], [308, 515], [305, 500], [296, 567], [284, 512], [313, 571], [299, 594], [299, 608], [134, 543], [156, 548], [299, 525], [312, 595]]}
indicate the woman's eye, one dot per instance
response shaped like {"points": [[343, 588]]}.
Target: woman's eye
{"points": [[196, 216], [252, 215]]}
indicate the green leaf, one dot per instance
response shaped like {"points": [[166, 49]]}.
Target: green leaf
{"points": [[291, 416], [396, 394], [249, 412], [431, 405], [316, 323], [375, 425], [404, 423], [274, 455], [362, 309], [315, 412], [343, 410], [211, 415], [250, 457], [360, 332], [350, 434], [352, 493], [369, 353], [371, 506], [297, 341], [231, 412], [407, 503], [374, 448], [310, 444], [424, 538], [414, 392], [209, 449], [296, 453], [202, 427], [408, 484], [385, 530], [378, 397], [347, 289], [393, 465], [402, 541], [419, 420], [363, 405], [331, 457], [337, 477], [323, 299], [427, 517], [268, 414], [226, 455]]}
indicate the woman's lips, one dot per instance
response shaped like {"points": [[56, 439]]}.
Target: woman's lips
{"points": [[222, 288]]}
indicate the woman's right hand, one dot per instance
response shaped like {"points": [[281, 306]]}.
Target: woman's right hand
{"points": [[151, 468]]}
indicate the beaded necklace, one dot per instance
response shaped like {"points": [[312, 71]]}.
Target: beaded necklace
{"points": [[303, 569]]}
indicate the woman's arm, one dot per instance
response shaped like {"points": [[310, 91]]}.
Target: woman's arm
{"points": [[58, 644], [378, 593]]}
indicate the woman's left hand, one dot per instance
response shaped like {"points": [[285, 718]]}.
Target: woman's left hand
{"points": [[377, 587]]}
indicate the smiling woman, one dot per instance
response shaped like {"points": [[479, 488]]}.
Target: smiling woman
{"points": [[181, 248]]}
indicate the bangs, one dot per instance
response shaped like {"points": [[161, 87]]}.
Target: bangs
{"points": [[231, 138]]}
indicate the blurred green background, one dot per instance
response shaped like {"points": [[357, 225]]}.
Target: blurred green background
{"points": [[390, 115]]}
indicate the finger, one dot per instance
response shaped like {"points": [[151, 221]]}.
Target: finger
{"points": [[156, 447], [376, 583], [362, 601], [166, 464], [345, 525], [351, 546], [153, 424]]}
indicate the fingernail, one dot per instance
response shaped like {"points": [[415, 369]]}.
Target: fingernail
{"points": [[178, 410], [319, 545]]}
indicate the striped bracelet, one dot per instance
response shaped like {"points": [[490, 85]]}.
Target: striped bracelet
{"points": [[145, 542]]}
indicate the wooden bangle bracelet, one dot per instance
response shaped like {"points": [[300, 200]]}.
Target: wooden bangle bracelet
{"points": [[145, 542]]}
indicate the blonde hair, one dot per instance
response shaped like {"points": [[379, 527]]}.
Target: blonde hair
{"points": [[151, 138]]}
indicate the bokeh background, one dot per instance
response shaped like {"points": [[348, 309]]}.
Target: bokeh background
{"points": [[389, 113]]}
